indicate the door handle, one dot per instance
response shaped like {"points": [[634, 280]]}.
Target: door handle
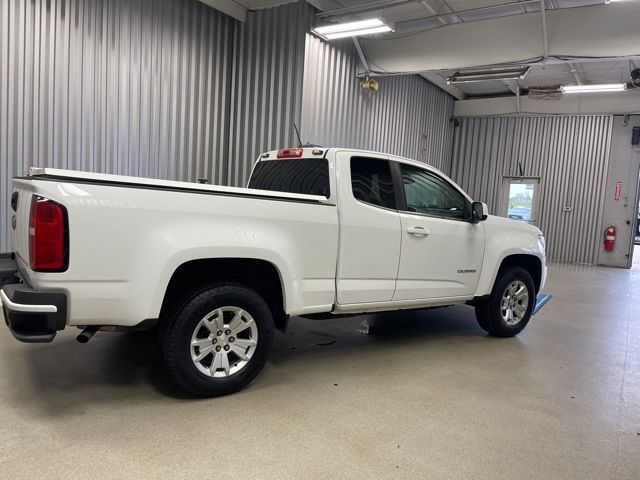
{"points": [[418, 231]]}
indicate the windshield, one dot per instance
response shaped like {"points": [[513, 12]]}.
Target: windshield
{"points": [[308, 176]]}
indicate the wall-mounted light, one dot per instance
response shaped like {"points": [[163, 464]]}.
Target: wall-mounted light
{"points": [[370, 84], [605, 87], [468, 77], [352, 29]]}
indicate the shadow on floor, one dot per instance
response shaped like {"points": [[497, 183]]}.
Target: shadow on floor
{"points": [[127, 367]]}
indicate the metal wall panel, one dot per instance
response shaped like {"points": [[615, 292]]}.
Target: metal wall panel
{"points": [[127, 87], [267, 84], [569, 153], [408, 116], [173, 89]]}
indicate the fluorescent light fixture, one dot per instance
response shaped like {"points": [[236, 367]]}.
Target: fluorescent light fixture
{"points": [[468, 77], [352, 29], [607, 87]]}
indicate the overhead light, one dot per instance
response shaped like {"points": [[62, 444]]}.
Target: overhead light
{"points": [[352, 29], [468, 77], [605, 87]]}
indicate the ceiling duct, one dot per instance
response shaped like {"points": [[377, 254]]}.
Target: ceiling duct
{"points": [[545, 93]]}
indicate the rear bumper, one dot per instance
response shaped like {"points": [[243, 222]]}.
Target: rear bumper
{"points": [[33, 316], [8, 269]]}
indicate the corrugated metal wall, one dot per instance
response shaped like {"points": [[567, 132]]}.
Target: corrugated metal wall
{"points": [[173, 89], [408, 116], [128, 87], [569, 153], [267, 84], [157, 88]]}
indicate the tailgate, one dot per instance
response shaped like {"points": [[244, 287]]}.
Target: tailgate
{"points": [[20, 206]]}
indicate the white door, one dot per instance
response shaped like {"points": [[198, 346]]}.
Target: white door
{"points": [[520, 199], [442, 251], [369, 249]]}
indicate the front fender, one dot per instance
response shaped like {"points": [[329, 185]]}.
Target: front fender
{"points": [[504, 239]]}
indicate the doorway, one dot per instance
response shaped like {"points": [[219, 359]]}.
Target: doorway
{"points": [[520, 199]]}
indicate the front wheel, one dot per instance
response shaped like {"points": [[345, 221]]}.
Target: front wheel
{"points": [[217, 341], [508, 309]]}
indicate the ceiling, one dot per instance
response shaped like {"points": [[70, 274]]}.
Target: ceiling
{"points": [[552, 75], [414, 17], [411, 17]]}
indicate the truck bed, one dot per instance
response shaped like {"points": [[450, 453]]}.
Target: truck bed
{"points": [[128, 235], [75, 176]]}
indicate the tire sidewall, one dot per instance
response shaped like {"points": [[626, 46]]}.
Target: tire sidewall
{"points": [[177, 342], [507, 277]]}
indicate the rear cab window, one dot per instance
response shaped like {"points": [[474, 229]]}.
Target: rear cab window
{"points": [[308, 176], [372, 183]]}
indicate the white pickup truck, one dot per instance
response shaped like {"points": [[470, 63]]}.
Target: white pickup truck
{"points": [[318, 231]]}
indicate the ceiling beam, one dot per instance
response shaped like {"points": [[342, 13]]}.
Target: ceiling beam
{"points": [[545, 44], [365, 8], [440, 82], [228, 7], [576, 104], [363, 59], [605, 31], [577, 74], [437, 11], [427, 4], [513, 86]]}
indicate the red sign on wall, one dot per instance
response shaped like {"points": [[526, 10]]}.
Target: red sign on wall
{"points": [[618, 190]]}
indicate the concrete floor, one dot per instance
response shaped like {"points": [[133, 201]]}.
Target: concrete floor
{"points": [[429, 396]]}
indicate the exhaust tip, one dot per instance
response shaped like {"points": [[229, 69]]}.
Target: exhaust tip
{"points": [[87, 333]]}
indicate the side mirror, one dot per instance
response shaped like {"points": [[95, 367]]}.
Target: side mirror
{"points": [[479, 212]]}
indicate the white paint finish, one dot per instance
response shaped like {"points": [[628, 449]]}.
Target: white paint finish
{"points": [[577, 104], [430, 264], [505, 238], [593, 31], [624, 166], [126, 242], [369, 242]]}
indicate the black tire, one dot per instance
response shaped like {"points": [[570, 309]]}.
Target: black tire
{"points": [[177, 330], [489, 311]]}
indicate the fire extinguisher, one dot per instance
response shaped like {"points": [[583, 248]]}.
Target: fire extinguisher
{"points": [[609, 238]]}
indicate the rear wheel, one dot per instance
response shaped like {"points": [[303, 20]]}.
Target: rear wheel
{"points": [[217, 341], [508, 309]]}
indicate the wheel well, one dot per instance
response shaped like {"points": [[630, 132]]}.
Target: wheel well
{"points": [[260, 275], [530, 263]]}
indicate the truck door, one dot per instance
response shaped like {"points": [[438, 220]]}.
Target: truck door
{"points": [[369, 245], [442, 252]]}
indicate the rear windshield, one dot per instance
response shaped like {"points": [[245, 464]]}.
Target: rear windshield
{"points": [[309, 176]]}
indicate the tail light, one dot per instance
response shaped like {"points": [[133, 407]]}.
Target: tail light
{"points": [[48, 236], [290, 153]]}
